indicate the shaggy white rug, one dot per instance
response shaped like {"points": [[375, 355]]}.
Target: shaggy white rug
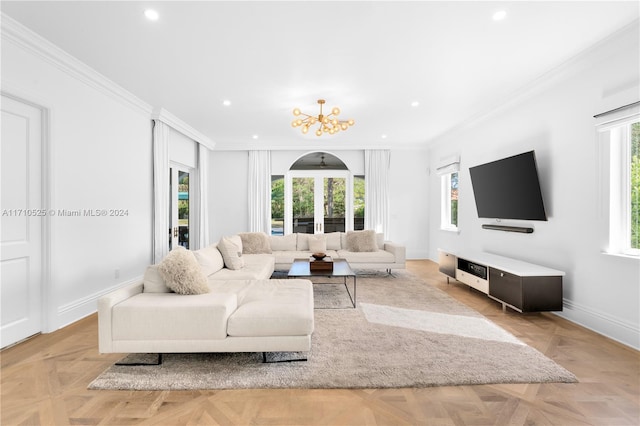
{"points": [[404, 333]]}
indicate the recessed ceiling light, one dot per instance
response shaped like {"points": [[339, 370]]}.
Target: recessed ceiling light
{"points": [[383, 136], [415, 103], [151, 15], [226, 102], [499, 15], [255, 136]]}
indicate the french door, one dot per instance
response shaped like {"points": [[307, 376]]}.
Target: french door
{"points": [[318, 202], [180, 201]]}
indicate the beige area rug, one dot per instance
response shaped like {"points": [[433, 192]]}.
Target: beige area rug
{"points": [[404, 333]]}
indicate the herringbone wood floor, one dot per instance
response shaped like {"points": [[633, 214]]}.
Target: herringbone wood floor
{"points": [[44, 382]]}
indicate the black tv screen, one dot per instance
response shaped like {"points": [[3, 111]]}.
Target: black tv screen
{"points": [[508, 188]]}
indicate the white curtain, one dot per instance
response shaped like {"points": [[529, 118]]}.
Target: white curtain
{"points": [[160, 190], [376, 192], [202, 237], [259, 194]]}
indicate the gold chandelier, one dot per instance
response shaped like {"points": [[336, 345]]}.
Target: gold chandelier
{"points": [[327, 123]]}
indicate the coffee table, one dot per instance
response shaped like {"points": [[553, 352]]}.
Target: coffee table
{"points": [[300, 269]]}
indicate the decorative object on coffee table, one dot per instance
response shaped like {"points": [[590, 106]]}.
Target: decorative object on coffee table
{"points": [[319, 256], [323, 263]]}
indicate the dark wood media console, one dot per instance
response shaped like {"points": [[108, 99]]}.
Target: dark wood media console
{"points": [[522, 286]]}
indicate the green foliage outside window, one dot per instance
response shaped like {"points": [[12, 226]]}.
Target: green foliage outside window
{"points": [[454, 199], [358, 196], [277, 198], [635, 185]]}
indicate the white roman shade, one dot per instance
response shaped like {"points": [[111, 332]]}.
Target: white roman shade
{"points": [[450, 164], [617, 117]]}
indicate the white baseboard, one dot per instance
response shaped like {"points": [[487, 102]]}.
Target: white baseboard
{"points": [[83, 307], [617, 329]]}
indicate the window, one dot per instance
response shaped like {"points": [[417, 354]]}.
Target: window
{"points": [[448, 170], [620, 141], [358, 203], [277, 205], [624, 229], [634, 181], [449, 214]]}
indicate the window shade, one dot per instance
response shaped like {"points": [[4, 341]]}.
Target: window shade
{"points": [[617, 117], [450, 164]]}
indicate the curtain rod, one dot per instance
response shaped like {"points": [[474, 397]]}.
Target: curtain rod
{"points": [[617, 109]]}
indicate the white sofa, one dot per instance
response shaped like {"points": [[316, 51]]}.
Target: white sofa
{"points": [[388, 255], [236, 316], [243, 311]]}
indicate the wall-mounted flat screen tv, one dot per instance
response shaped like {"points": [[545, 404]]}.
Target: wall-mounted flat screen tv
{"points": [[508, 188]]}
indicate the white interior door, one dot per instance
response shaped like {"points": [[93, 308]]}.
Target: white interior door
{"points": [[22, 219]]}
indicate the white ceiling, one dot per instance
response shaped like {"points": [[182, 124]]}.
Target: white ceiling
{"points": [[372, 59]]}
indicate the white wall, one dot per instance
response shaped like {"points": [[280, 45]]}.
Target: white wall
{"points": [[228, 183], [555, 119], [408, 201], [100, 159]]}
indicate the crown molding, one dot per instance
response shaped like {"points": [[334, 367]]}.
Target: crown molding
{"points": [[166, 117], [579, 62], [19, 35]]}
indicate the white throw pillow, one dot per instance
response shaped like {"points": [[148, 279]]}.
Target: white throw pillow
{"points": [[333, 241], [210, 259], [153, 281], [303, 242], [255, 242], [317, 243], [283, 242], [182, 273], [231, 253], [362, 241]]}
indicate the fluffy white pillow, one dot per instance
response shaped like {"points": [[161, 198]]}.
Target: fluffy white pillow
{"points": [[255, 242], [317, 243], [182, 273], [360, 241], [153, 281], [231, 253], [210, 259]]}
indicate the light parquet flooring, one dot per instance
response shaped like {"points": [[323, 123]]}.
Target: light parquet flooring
{"points": [[44, 382]]}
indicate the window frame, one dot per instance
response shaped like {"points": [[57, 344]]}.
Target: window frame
{"points": [[620, 229], [615, 140], [446, 224]]}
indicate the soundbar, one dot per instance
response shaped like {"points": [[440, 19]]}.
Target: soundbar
{"points": [[521, 229]]}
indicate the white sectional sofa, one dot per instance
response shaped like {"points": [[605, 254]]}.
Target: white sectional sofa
{"points": [[240, 309]]}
